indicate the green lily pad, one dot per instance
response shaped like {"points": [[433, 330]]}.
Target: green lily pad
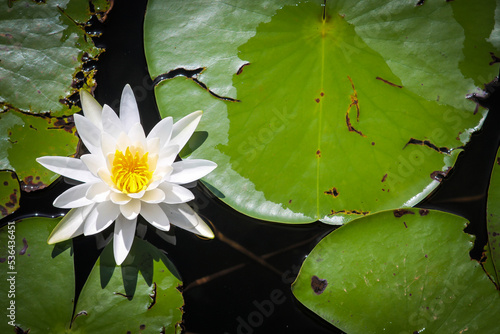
{"points": [[493, 222], [143, 289], [120, 300], [9, 195], [25, 137], [401, 271], [43, 51], [342, 109], [42, 48], [38, 274]]}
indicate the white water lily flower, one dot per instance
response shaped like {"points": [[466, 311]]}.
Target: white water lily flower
{"points": [[126, 174]]}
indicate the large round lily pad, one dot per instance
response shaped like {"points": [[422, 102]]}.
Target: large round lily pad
{"points": [[403, 271], [342, 109]]}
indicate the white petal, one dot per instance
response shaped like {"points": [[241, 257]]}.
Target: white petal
{"points": [[106, 176], [74, 197], [155, 216], [167, 155], [70, 167], [108, 144], [153, 196], [162, 130], [93, 162], [89, 133], [101, 217], [154, 184], [98, 192], [123, 238], [137, 195], [162, 173], [119, 198], [131, 209], [184, 128], [175, 194], [153, 146], [129, 113], [122, 142], [137, 136], [183, 216], [91, 108], [71, 225], [191, 170], [111, 123]]}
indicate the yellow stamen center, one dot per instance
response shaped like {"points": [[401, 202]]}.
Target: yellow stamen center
{"points": [[130, 172]]}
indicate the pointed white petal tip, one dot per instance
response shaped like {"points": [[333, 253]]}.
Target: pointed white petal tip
{"points": [[70, 226], [123, 238], [205, 231], [129, 112], [91, 108]]}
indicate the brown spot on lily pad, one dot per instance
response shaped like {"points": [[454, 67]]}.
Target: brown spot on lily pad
{"points": [[332, 192], [318, 285], [439, 175], [13, 200], [349, 212], [64, 123], [23, 250], [423, 212], [384, 178], [28, 185], [401, 212]]}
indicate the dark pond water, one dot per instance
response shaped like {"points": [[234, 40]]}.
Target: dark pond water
{"points": [[227, 280]]}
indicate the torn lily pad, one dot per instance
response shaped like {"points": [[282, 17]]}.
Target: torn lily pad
{"points": [[9, 197], [45, 58], [144, 289], [25, 137], [401, 271], [35, 308], [42, 48], [314, 109]]}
